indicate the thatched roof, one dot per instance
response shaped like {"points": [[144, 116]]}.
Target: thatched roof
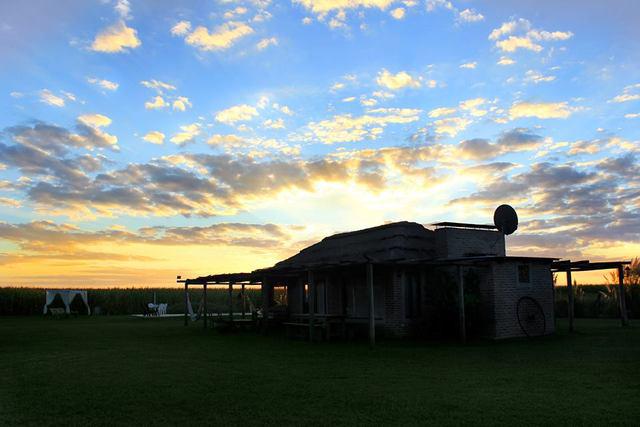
{"points": [[390, 242]]}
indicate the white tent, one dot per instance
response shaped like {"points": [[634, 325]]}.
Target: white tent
{"points": [[67, 296]]}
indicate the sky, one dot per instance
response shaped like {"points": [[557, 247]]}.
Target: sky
{"points": [[140, 140]]}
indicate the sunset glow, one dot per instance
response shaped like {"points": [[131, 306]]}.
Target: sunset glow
{"points": [[141, 140]]}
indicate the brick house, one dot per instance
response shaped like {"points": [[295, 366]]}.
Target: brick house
{"points": [[413, 277]]}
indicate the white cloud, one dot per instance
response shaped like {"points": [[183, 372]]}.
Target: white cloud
{"points": [[48, 97], [123, 8], [16, 94], [532, 76], [188, 134], [632, 116], [116, 38], [103, 83], [221, 38], [154, 137], [451, 125], [398, 13], [504, 60], [469, 65], [306, 20], [346, 128], [274, 124], [349, 99], [265, 43], [542, 110], [157, 85], [441, 111], [237, 113], [156, 103], [181, 28], [470, 15], [519, 34], [230, 14], [471, 105], [629, 93], [94, 120], [397, 81], [181, 103]]}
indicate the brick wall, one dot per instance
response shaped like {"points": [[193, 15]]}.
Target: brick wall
{"points": [[508, 291], [459, 242], [395, 325]]}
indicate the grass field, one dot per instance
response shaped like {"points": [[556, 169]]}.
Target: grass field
{"points": [[121, 370]]}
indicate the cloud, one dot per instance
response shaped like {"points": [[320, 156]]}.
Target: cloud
{"points": [[441, 111], [182, 28], [273, 124], [181, 103], [471, 105], [237, 113], [94, 120], [398, 13], [325, 6], [527, 37], [221, 38], [346, 128], [505, 61], [123, 8], [541, 110], [116, 38], [629, 93], [632, 116], [156, 103], [103, 83], [470, 15], [266, 42], [48, 97], [536, 77], [397, 81], [469, 65], [154, 137], [187, 135], [157, 85], [451, 125]]}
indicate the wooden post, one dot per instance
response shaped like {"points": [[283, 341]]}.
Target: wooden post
{"points": [[621, 299], [372, 306], [266, 302], [231, 301], [186, 304], [312, 303], [244, 302], [570, 304], [463, 327], [206, 312]]}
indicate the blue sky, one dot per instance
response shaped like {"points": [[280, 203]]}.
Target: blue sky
{"points": [[138, 133]]}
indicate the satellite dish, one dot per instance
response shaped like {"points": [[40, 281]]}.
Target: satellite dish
{"points": [[506, 219]]}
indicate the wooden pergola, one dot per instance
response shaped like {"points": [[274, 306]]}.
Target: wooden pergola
{"points": [[230, 280], [569, 267]]}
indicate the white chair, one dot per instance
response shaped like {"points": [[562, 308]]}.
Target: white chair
{"points": [[162, 309]]}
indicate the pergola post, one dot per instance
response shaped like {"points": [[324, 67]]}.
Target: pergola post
{"points": [[372, 306], [244, 302], [186, 304], [621, 299], [312, 303], [206, 312], [461, 316], [570, 304], [230, 301], [266, 302]]}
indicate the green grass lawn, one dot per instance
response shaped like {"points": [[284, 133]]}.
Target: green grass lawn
{"points": [[121, 370]]}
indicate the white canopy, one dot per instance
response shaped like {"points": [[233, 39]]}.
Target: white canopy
{"points": [[67, 296]]}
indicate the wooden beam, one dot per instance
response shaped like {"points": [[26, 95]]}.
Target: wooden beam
{"points": [[312, 303], [570, 304], [461, 316], [206, 312], [621, 297], [372, 306], [186, 304]]}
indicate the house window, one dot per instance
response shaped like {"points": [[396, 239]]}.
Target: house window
{"points": [[524, 274]]}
